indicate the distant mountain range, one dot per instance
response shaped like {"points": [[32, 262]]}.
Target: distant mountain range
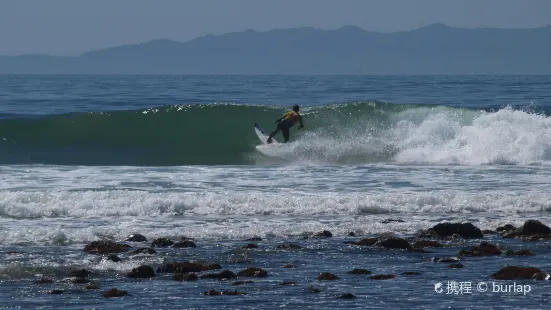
{"points": [[434, 49]]}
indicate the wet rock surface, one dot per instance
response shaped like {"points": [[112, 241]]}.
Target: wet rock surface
{"points": [[105, 247], [294, 265]]}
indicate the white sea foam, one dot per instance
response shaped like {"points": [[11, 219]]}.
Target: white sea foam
{"points": [[69, 217]]}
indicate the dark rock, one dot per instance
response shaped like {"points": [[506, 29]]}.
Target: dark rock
{"points": [[224, 275], [190, 276], [524, 252], [427, 244], [393, 243], [456, 265], [484, 249], [463, 230], [242, 282], [382, 277], [136, 238], [507, 227], [326, 276], [542, 275], [114, 293], [414, 250], [532, 230], [288, 266], [388, 221], [352, 234], [56, 292], [253, 272], [82, 273], [161, 243], [250, 246], [359, 271], [143, 251], [184, 244], [347, 296], [533, 227], [323, 234], [216, 293], [509, 252], [366, 242], [92, 286], [288, 283], [411, 273], [185, 267], [289, 246], [254, 239], [313, 289], [113, 258], [105, 247], [75, 280], [515, 272], [141, 272], [44, 281], [489, 232]]}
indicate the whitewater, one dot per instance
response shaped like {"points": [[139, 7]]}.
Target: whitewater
{"points": [[87, 158]]}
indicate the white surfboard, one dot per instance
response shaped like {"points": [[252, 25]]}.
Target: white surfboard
{"points": [[262, 135], [267, 149]]}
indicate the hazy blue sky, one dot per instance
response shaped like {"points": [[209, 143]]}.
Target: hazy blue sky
{"points": [[70, 27]]}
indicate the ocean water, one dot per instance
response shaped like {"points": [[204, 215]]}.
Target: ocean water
{"points": [[86, 158]]}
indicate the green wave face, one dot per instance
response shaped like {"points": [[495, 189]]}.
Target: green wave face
{"points": [[214, 134]]}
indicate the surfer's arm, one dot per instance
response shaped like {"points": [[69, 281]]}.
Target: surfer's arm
{"points": [[300, 121]]}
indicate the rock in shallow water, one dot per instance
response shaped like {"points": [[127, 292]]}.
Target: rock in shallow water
{"points": [[323, 234], [161, 243], [326, 276], [184, 244], [443, 230], [141, 272], [143, 251], [359, 271], [347, 296], [290, 246], [185, 267], [532, 230], [253, 272], [226, 292], [382, 277], [515, 272], [136, 238], [242, 282], [113, 258], [224, 275], [105, 247], [427, 244], [484, 249], [82, 273], [114, 293]]}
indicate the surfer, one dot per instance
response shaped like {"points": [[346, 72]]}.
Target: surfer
{"points": [[285, 123]]}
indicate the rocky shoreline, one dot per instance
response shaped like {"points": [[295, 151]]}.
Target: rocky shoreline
{"points": [[461, 244]]}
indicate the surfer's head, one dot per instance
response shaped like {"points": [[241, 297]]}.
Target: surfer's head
{"points": [[295, 108]]}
